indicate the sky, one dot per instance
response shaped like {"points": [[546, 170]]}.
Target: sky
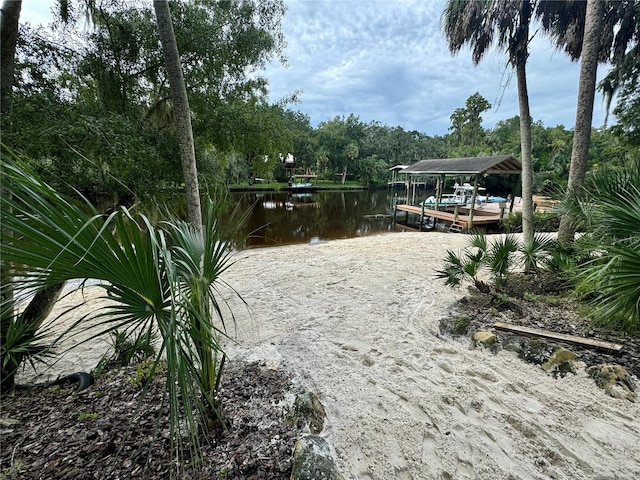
{"points": [[388, 61]]}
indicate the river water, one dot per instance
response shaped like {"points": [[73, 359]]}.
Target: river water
{"points": [[283, 218]]}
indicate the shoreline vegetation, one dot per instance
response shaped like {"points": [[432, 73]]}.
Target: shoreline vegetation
{"points": [[283, 186], [358, 322]]}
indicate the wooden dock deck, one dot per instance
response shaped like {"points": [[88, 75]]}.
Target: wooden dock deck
{"points": [[459, 222]]}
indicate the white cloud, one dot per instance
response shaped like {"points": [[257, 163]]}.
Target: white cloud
{"points": [[389, 61]]}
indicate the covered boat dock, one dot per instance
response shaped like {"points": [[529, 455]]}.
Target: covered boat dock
{"points": [[463, 216]]}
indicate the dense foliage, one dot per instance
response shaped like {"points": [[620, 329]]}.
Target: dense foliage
{"points": [[603, 264], [94, 104], [609, 212], [91, 110]]}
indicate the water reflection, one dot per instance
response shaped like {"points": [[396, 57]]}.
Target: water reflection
{"points": [[281, 218]]}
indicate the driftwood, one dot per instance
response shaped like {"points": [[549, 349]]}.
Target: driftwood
{"points": [[587, 342]]}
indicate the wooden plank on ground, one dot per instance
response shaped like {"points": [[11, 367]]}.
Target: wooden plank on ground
{"points": [[589, 342]]}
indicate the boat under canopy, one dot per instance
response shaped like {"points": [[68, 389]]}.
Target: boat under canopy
{"points": [[459, 167]]}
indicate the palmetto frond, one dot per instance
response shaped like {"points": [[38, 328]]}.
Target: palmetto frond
{"points": [[453, 272], [611, 209], [565, 23], [479, 23], [611, 206], [161, 277], [536, 251], [500, 255]]}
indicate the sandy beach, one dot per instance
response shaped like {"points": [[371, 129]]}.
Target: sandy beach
{"points": [[356, 321]]}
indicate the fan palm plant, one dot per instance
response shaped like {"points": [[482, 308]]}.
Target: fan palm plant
{"points": [[496, 257], [164, 278], [536, 251], [610, 212], [499, 256], [458, 268]]}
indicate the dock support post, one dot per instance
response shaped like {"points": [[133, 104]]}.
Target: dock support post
{"points": [[473, 202], [395, 210]]}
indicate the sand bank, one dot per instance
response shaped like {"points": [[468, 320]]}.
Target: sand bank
{"points": [[357, 321]]}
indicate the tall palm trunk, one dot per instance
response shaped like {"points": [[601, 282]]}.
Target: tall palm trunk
{"points": [[8, 39], [181, 111], [43, 301], [477, 23], [525, 153], [584, 110]]}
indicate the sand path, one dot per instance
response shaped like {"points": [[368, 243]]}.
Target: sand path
{"points": [[357, 321]]}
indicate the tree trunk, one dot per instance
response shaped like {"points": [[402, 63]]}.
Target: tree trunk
{"points": [[43, 301], [344, 174], [181, 111], [32, 318], [584, 111], [525, 153], [8, 39]]}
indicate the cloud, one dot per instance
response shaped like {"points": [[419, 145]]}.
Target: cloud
{"points": [[389, 61]]}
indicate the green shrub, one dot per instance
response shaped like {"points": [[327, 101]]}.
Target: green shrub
{"points": [[128, 347], [542, 222], [497, 258], [610, 211]]}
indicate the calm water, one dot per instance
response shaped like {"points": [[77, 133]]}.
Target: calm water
{"points": [[281, 218]]}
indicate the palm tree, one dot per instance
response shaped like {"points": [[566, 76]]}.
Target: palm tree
{"points": [[46, 297], [622, 78], [181, 109], [477, 24], [351, 152], [584, 110], [595, 31]]}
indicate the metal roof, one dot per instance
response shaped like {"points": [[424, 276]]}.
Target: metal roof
{"points": [[500, 164]]}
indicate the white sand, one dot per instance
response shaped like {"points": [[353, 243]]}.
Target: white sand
{"points": [[357, 321]]}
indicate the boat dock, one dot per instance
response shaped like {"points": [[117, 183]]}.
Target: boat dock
{"points": [[464, 209], [460, 220]]}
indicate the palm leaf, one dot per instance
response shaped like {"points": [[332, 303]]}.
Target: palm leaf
{"points": [[500, 255], [617, 279], [164, 278], [535, 251]]}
